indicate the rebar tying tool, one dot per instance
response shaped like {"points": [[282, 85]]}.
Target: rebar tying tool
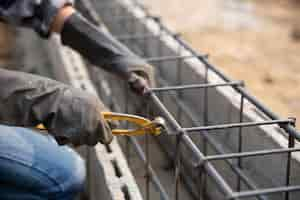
{"points": [[145, 126]]}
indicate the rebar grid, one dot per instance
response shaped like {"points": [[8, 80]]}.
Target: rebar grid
{"points": [[203, 165]]}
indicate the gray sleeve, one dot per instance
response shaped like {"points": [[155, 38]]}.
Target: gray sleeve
{"points": [[67, 113], [36, 14]]}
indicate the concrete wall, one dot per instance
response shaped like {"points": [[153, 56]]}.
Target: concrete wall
{"points": [[223, 104]]}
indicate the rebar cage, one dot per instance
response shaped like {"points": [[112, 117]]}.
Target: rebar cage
{"points": [[220, 143]]}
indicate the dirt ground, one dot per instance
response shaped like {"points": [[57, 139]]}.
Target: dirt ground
{"points": [[251, 40]]}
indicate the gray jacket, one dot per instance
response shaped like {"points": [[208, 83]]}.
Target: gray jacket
{"points": [[27, 100], [71, 115]]}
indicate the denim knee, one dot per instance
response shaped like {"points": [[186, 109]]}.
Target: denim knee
{"points": [[36, 165], [74, 182]]}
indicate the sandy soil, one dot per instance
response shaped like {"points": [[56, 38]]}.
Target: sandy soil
{"points": [[249, 40]]}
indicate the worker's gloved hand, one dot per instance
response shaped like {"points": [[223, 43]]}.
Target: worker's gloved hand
{"points": [[81, 121], [138, 84], [69, 114], [100, 48]]}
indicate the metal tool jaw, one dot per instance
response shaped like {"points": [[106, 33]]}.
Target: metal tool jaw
{"points": [[145, 126]]}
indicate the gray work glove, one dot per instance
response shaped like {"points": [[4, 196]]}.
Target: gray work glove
{"points": [[100, 48], [139, 84], [69, 114]]}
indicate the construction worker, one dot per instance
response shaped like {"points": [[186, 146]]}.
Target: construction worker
{"points": [[32, 165]]}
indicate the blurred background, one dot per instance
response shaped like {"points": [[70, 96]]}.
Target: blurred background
{"points": [[253, 40]]}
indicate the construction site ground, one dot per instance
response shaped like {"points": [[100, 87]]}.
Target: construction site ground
{"points": [[250, 40]]}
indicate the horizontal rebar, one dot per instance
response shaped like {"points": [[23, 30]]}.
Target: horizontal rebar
{"points": [[136, 36], [170, 58], [107, 6], [267, 191], [238, 125], [196, 86], [251, 154], [121, 18]]}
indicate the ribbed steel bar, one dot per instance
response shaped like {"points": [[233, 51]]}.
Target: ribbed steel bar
{"points": [[135, 37], [251, 154], [238, 125], [289, 165], [120, 18], [179, 75], [240, 139], [147, 167], [268, 191], [195, 86], [168, 58], [203, 186], [179, 117], [146, 137], [177, 166]]}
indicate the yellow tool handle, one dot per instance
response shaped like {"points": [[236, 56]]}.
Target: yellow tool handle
{"points": [[125, 117], [146, 126]]}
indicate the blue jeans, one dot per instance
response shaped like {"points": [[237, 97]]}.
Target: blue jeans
{"points": [[33, 166]]}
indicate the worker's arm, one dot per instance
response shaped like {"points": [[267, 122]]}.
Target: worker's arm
{"points": [[102, 49], [98, 46], [71, 115]]}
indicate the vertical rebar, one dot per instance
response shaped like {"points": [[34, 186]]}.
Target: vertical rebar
{"points": [[179, 79], [159, 53], [127, 139], [201, 173], [145, 41], [288, 165], [147, 163], [205, 123], [178, 138], [177, 166], [240, 140]]}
